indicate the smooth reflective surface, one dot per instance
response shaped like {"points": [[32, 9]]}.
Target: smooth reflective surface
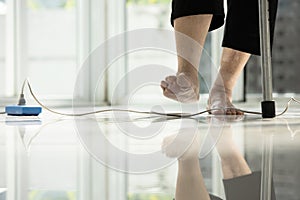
{"points": [[131, 156]]}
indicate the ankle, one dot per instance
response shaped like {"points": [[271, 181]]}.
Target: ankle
{"points": [[187, 69], [188, 161], [220, 92], [191, 75]]}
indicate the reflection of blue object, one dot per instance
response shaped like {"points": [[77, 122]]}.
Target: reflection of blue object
{"points": [[52, 3], [3, 196], [16, 110], [61, 195], [22, 122]]}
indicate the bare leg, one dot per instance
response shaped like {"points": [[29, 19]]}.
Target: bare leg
{"points": [[190, 183], [186, 147], [190, 35], [232, 63], [239, 181], [233, 162]]}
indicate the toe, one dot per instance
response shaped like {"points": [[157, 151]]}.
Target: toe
{"points": [[171, 79], [163, 84], [235, 111], [229, 112], [239, 112], [218, 112], [168, 93]]}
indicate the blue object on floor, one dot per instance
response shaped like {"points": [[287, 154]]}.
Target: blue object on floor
{"points": [[16, 110]]}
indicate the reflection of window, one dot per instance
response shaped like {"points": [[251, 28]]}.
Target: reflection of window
{"points": [[3, 164], [2, 195], [52, 195]]}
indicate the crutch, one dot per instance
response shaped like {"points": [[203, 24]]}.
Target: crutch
{"points": [[267, 105]]}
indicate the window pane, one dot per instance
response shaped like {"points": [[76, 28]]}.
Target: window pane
{"points": [[285, 55], [155, 13], [52, 46], [3, 45]]}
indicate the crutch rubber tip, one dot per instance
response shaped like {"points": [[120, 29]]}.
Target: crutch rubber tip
{"points": [[268, 109]]}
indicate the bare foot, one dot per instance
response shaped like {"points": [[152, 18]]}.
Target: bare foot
{"points": [[184, 87], [220, 99]]}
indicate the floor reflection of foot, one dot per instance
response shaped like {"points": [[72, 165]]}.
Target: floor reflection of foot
{"points": [[185, 145], [221, 102], [182, 87]]}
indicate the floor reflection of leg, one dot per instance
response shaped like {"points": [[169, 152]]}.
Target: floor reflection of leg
{"points": [[233, 162], [239, 181], [185, 146], [190, 183]]}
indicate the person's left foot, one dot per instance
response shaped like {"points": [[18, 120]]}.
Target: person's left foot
{"points": [[220, 100]]}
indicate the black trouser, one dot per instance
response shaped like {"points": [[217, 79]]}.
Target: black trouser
{"points": [[244, 188], [242, 21]]}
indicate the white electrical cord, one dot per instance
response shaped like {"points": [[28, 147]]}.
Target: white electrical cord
{"points": [[183, 115]]}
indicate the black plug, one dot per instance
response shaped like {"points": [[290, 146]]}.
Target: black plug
{"points": [[22, 101]]}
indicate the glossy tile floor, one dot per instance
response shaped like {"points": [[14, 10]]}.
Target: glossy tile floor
{"points": [[116, 156]]}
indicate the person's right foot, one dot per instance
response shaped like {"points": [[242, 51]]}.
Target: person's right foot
{"points": [[184, 87]]}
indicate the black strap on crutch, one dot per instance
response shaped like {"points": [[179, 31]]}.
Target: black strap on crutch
{"points": [[267, 105]]}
